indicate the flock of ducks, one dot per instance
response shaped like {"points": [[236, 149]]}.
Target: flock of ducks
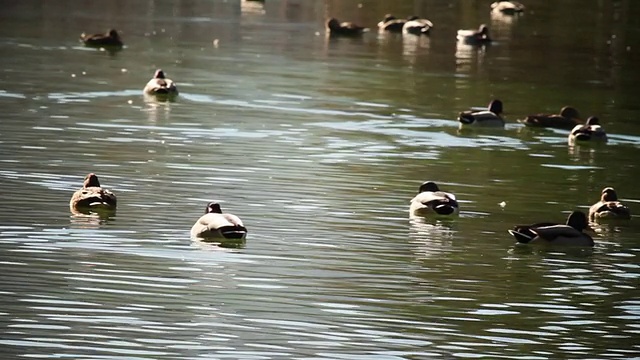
{"points": [[430, 200], [568, 119], [159, 86], [433, 202], [419, 26], [213, 225]]}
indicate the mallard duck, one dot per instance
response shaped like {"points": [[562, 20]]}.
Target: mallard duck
{"points": [[570, 233], [490, 117], [431, 201], [566, 119], [417, 26], [336, 28], [214, 224], [92, 196], [110, 38], [391, 23], [507, 7], [609, 207], [590, 131], [475, 37], [160, 85]]}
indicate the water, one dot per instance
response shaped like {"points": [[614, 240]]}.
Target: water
{"points": [[317, 144]]}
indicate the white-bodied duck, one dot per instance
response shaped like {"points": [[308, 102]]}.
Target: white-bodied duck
{"points": [[430, 201], [161, 85], [217, 225], [492, 116]]}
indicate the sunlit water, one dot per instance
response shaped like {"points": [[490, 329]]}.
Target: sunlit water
{"points": [[318, 145]]}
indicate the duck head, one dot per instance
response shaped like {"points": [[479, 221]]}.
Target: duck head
{"points": [[333, 24], [428, 186], [609, 194], [113, 33], [578, 220], [159, 74], [483, 30], [592, 120], [389, 17], [495, 106], [213, 208], [91, 180], [569, 112]]}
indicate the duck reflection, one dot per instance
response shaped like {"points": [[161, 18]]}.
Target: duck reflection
{"points": [[90, 219], [431, 237]]}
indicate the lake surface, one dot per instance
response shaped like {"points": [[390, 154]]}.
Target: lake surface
{"points": [[318, 144]]}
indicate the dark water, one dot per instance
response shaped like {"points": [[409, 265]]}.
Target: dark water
{"points": [[317, 144]]}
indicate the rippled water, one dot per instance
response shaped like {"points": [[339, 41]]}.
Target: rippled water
{"points": [[317, 144]]}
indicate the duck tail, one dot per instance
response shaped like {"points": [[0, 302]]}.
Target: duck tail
{"points": [[233, 232], [466, 118], [444, 209], [522, 237]]}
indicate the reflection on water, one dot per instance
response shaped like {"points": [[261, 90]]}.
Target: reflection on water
{"points": [[318, 143]]}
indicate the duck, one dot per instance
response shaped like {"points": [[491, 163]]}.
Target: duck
{"points": [[567, 119], [417, 26], [475, 37], [391, 23], [431, 201], [336, 28], [215, 224], [160, 85], [590, 131], [609, 207], [490, 117], [507, 7], [570, 233], [92, 196], [110, 38]]}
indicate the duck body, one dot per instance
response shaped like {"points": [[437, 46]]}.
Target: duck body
{"points": [[417, 26], [160, 85], [492, 117], [475, 37], [110, 39], [567, 119], [391, 23], [507, 7], [217, 225], [92, 196], [609, 207], [430, 201], [337, 28], [590, 131], [570, 233]]}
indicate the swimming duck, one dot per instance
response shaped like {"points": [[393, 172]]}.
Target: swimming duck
{"points": [[214, 224], [475, 37], [160, 85], [570, 233], [590, 131], [507, 7], [431, 201], [567, 119], [490, 117], [336, 28], [609, 207], [391, 23], [110, 38], [417, 26], [92, 196]]}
